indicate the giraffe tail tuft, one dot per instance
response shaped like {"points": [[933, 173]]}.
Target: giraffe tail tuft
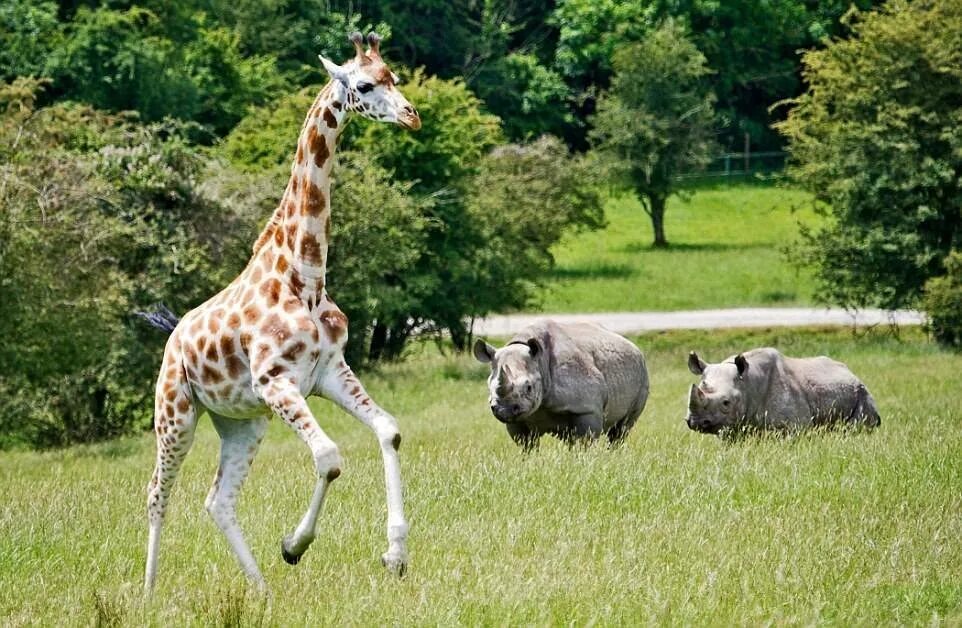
{"points": [[160, 317]]}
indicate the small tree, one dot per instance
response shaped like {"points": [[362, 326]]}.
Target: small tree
{"points": [[657, 120], [943, 303], [877, 137]]}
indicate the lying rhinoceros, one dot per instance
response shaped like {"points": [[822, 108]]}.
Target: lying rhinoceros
{"points": [[571, 380], [763, 388]]}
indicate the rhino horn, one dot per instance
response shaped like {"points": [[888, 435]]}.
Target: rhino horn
{"points": [[696, 398], [502, 382]]}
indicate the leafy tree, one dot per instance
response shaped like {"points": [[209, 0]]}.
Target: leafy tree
{"points": [[752, 48], [123, 60], [877, 137], [29, 32], [657, 120]]}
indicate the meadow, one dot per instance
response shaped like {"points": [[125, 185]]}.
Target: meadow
{"points": [[727, 249], [829, 527]]}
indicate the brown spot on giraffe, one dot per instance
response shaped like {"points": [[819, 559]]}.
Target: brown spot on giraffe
{"points": [[335, 324], [310, 249], [293, 351], [183, 405], [226, 345], [257, 275], [297, 284], [212, 353], [202, 344], [330, 119], [275, 327], [271, 291], [211, 375], [318, 144], [281, 265], [314, 203], [300, 154], [233, 321], [279, 237], [276, 370], [235, 366], [245, 342], [336, 105]]}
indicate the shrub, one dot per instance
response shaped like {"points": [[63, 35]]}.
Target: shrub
{"points": [[942, 301]]}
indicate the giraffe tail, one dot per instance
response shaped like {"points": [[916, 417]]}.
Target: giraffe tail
{"points": [[160, 317]]}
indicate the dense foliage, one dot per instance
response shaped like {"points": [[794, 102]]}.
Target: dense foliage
{"points": [[877, 137], [657, 121], [98, 215], [942, 302]]}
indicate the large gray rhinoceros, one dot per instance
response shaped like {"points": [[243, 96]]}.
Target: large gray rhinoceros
{"points": [[572, 380], [763, 388]]}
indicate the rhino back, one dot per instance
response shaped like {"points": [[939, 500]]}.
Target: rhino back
{"points": [[620, 364], [788, 391]]}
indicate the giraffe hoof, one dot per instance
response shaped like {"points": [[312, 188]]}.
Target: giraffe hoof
{"points": [[289, 558], [396, 564]]}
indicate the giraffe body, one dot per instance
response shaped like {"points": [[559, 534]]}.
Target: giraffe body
{"points": [[274, 337]]}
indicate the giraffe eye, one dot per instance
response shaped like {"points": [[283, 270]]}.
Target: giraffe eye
{"points": [[365, 87]]}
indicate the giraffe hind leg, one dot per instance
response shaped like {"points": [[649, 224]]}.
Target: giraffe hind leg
{"points": [[239, 440], [175, 418]]}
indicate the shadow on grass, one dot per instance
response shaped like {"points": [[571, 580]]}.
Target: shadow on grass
{"points": [[596, 271], [675, 247]]}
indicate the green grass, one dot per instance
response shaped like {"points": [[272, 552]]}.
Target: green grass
{"points": [[726, 250], [673, 528]]}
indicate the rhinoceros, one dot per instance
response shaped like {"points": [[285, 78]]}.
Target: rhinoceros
{"points": [[763, 388], [575, 381]]}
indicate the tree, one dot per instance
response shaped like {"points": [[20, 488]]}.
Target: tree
{"points": [[657, 120], [877, 138]]}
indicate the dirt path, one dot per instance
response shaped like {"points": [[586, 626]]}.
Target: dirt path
{"points": [[635, 322]]}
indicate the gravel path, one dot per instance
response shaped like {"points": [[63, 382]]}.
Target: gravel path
{"points": [[635, 322]]}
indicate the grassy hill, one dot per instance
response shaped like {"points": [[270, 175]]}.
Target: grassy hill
{"points": [[672, 528], [727, 250]]}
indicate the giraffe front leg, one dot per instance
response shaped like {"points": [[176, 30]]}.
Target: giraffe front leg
{"points": [[239, 440], [343, 388], [286, 401]]}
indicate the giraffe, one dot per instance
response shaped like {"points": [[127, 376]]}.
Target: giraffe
{"points": [[273, 337]]}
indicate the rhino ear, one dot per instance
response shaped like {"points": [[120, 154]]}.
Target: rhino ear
{"points": [[741, 363], [534, 345], [695, 364], [483, 351]]}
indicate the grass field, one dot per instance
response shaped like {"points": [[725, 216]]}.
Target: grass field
{"points": [[675, 527], [727, 250]]}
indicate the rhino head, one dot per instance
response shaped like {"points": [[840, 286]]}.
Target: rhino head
{"points": [[515, 385], [718, 400]]}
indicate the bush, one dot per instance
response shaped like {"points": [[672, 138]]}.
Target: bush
{"points": [[877, 138], [942, 301], [99, 216]]}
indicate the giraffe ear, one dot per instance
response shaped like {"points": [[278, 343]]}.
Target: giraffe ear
{"points": [[335, 71]]}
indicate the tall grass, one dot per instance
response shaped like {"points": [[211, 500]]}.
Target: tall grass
{"points": [[727, 249], [674, 527]]}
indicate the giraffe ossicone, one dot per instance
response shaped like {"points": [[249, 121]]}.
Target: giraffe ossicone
{"points": [[274, 337]]}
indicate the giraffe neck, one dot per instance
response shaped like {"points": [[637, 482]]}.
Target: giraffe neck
{"points": [[296, 237]]}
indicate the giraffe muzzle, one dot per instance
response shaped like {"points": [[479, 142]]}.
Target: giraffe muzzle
{"points": [[409, 119]]}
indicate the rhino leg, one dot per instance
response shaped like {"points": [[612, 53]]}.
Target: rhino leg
{"points": [[582, 428], [523, 436]]}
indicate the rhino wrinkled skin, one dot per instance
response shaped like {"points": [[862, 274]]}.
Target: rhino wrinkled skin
{"points": [[763, 388], [575, 381]]}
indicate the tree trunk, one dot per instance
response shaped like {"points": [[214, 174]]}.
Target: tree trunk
{"points": [[657, 204]]}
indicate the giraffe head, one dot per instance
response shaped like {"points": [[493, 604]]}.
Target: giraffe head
{"points": [[370, 85]]}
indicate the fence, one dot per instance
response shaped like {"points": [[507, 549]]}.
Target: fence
{"points": [[739, 166]]}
